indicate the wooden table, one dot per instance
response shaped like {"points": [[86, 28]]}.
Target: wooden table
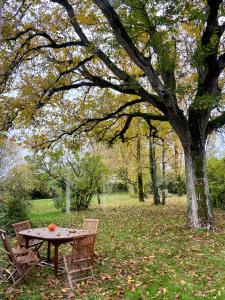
{"points": [[57, 237]]}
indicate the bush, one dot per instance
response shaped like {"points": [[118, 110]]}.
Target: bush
{"points": [[15, 202], [216, 177], [86, 178], [15, 210]]}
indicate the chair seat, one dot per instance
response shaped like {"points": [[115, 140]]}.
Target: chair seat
{"points": [[29, 259], [32, 243], [20, 251]]}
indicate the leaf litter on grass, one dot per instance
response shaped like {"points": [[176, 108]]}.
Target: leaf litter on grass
{"points": [[145, 252]]}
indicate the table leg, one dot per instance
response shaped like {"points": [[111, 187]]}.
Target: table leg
{"points": [[56, 259], [49, 252], [27, 242]]}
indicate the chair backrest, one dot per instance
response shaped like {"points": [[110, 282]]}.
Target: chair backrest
{"points": [[83, 248], [21, 226], [7, 246], [91, 225]]}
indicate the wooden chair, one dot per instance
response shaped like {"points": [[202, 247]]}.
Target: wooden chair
{"points": [[36, 244], [79, 263], [91, 225], [19, 265]]}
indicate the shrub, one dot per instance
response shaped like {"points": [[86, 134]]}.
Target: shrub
{"points": [[15, 202], [216, 177], [15, 210], [86, 178]]}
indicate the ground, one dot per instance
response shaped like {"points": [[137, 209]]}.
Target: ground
{"points": [[145, 252]]}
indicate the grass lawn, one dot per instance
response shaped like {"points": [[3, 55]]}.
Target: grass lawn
{"points": [[146, 253]]}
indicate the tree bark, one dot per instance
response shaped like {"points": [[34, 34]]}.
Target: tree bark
{"points": [[200, 214], [139, 173], [153, 171]]}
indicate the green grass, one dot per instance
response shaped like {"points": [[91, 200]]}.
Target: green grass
{"points": [[146, 253]]}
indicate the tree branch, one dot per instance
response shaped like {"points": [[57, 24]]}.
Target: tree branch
{"points": [[123, 38], [216, 123], [89, 124], [138, 90], [130, 88], [20, 57], [131, 103], [212, 25], [70, 87], [19, 34], [209, 69], [107, 61], [122, 132]]}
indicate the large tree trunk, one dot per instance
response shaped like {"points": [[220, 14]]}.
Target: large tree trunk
{"points": [[200, 214], [153, 173], [139, 173]]}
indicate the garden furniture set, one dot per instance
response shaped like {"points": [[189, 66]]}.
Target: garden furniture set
{"points": [[78, 264]]}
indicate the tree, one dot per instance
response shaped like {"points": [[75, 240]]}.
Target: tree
{"points": [[140, 186], [124, 162], [83, 173], [153, 170], [145, 49]]}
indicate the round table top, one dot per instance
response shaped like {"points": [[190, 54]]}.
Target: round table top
{"points": [[59, 233]]}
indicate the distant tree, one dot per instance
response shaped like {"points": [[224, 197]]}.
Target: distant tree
{"points": [[153, 170], [84, 171], [140, 185], [88, 179], [163, 185]]}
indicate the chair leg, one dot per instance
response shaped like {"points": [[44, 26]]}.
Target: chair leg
{"points": [[22, 276], [3, 271], [67, 273], [70, 282], [5, 274], [15, 282], [92, 273]]}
